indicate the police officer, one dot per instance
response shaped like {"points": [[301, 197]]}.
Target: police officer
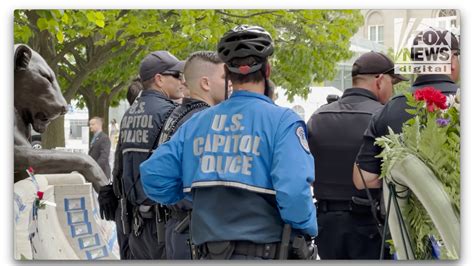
{"points": [[204, 77], [161, 75], [347, 228], [393, 114], [245, 163], [110, 208]]}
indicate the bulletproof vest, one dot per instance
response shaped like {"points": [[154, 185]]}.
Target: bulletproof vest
{"points": [[139, 131], [336, 133], [179, 115]]}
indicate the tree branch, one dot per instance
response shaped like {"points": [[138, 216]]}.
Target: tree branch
{"points": [[248, 16], [68, 48], [115, 90]]}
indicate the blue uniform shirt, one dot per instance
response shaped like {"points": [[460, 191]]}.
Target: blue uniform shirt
{"points": [[246, 142]]}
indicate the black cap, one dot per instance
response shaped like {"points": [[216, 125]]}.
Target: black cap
{"points": [[159, 62], [375, 63]]}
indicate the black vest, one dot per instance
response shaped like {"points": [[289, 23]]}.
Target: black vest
{"points": [[335, 134], [180, 115], [139, 131]]}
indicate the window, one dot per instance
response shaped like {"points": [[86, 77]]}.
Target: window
{"points": [[376, 33], [75, 129], [451, 15]]}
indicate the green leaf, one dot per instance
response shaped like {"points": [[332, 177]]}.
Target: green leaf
{"points": [[100, 23], [60, 36], [42, 24], [65, 18]]}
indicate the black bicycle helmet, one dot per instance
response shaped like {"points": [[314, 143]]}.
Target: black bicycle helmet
{"points": [[244, 41]]}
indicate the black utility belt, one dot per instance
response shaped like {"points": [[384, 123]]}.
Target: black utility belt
{"points": [[225, 249], [341, 205]]}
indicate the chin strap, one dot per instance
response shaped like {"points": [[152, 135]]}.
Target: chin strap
{"points": [[226, 86], [265, 78]]}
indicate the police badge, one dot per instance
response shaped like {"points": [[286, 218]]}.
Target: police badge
{"points": [[302, 138]]}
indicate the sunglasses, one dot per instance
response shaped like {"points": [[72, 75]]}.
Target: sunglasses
{"points": [[393, 78], [174, 74]]}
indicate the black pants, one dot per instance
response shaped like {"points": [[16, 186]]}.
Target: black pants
{"points": [[122, 239], [344, 235], [177, 247], [145, 246]]}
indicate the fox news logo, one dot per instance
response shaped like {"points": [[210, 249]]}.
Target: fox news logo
{"points": [[422, 51]]}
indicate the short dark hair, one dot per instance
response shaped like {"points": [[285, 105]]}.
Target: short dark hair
{"points": [[254, 77], [97, 118], [208, 56], [199, 61], [134, 89]]}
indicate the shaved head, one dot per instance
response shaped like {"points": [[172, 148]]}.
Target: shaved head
{"points": [[204, 76], [198, 65]]}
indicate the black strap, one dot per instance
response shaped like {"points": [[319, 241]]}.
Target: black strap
{"points": [[173, 120], [266, 251], [372, 202], [245, 248]]}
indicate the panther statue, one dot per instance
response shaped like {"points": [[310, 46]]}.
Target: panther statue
{"points": [[38, 101]]}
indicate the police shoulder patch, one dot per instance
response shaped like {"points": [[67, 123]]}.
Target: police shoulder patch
{"points": [[302, 138]]}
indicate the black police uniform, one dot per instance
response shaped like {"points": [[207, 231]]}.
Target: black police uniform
{"points": [[177, 225], [117, 189], [139, 130], [346, 230], [393, 115]]}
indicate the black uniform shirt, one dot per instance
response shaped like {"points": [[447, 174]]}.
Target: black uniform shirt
{"points": [[393, 115], [139, 129], [334, 135]]}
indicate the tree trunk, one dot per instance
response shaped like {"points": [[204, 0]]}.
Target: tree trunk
{"points": [[54, 135], [98, 106]]}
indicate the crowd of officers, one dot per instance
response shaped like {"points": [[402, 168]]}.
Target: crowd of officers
{"points": [[207, 166]]}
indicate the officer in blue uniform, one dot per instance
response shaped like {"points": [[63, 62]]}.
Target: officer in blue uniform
{"points": [[245, 163], [161, 75]]}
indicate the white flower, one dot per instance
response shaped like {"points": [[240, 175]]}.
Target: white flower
{"points": [[450, 100], [454, 100], [457, 100]]}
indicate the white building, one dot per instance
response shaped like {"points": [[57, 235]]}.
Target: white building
{"points": [[305, 108]]}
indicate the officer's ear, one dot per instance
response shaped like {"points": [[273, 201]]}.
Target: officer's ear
{"points": [[158, 80], [204, 83], [268, 70], [378, 81], [455, 64]]}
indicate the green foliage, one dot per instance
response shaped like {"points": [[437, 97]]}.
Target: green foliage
{"points": [[439, 148], [96, 53], [309, 43]]}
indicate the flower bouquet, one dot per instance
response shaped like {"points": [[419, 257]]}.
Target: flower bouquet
{"points": [[433, 137]]}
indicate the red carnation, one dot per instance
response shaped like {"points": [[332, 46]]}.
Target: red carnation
{"points": [[40, 195], [30, 169], [433, 98]]}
